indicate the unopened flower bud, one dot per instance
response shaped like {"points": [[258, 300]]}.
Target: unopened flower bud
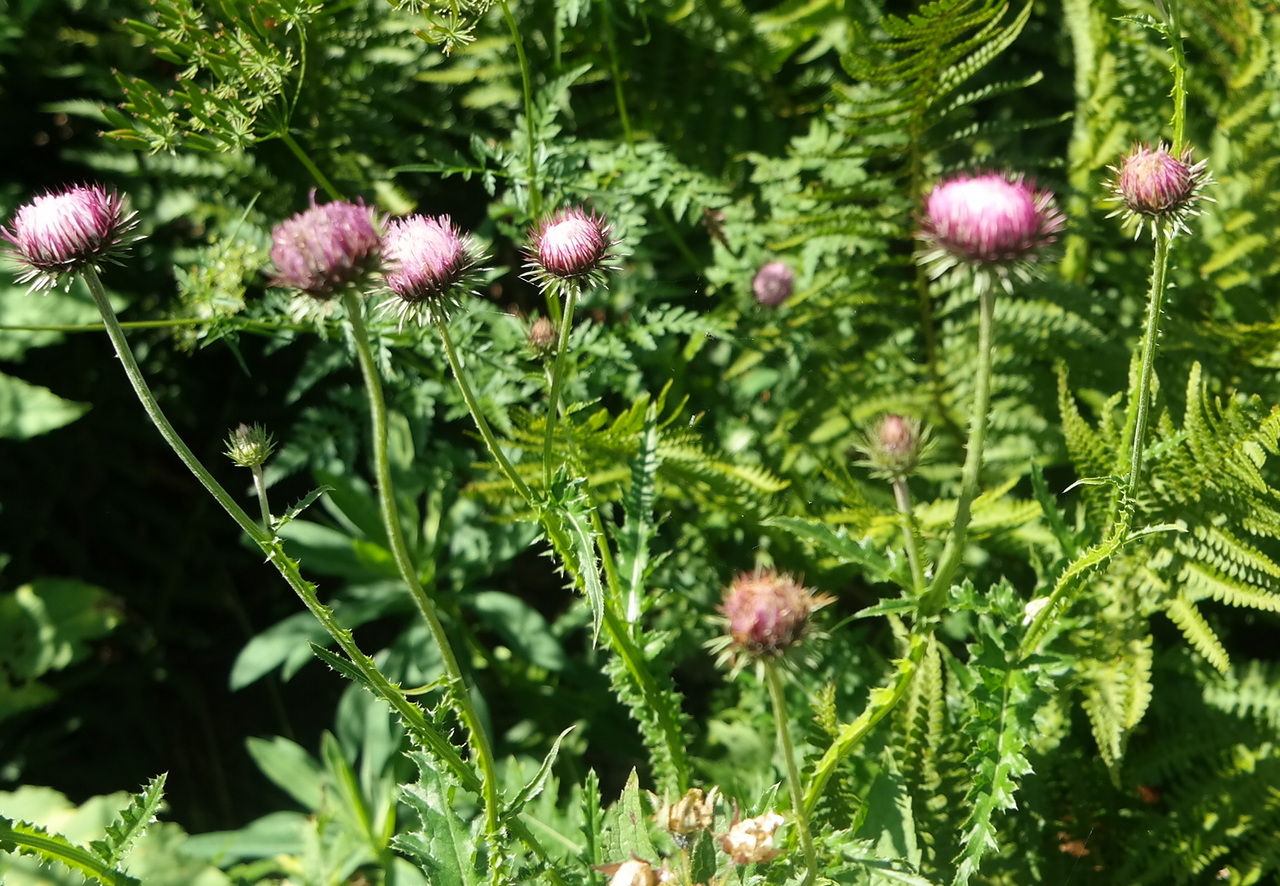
{"points": [[1152, 185], [56, 235], [250, 446], [430, 265], [894, 446], [766, 613], [751, 840], [693, 812], [572, 246], [325, 248], [542, 336], [992, 223], [773, 284]]}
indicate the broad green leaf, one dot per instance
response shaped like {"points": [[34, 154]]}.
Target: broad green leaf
{"points": [[28, 410], [290, 768]]}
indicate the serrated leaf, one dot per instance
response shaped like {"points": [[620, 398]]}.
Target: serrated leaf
{"points": [[539, 780], [835, 543], [29, 839], [441, 844], [134, 819]]}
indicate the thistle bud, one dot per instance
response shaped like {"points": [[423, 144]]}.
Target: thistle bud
{"points": [[1152, 185], [993, 223], [766, 613], [431, 264], [250, 447], [56, 235], [325, 248], [894, 446], [773, 284], [751, 840], [542, 336], [571, 247]]}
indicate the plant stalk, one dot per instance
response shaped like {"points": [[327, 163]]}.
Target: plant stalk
{"points": [[778, 695], [902, 495], [954, 549], [557, 381], [404, 563], [526, 82], [321, 179]]}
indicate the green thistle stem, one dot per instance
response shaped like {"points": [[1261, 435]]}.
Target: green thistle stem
{"points": [[526, 82], [902, 494], [400, 551], [778, 695], [321, 179], [260, 488], [954, 549], [557, 380], [1173, 30]]}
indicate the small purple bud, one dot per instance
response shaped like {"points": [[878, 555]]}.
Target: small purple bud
{"points": [[57, 234], [572, 246], [325, 248], [773, 284], [1153, 185], [894, 446], [542, 336]]}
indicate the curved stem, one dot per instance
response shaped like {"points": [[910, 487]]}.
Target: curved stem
{"points": [[321, 179], [954, 548], [148, 400], [779, 698], [400, 551], [902, 494], [482, 424], [526, 81], [557, 380]]}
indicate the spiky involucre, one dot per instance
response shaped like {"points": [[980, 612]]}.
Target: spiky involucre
{"points": [[58, 234]]}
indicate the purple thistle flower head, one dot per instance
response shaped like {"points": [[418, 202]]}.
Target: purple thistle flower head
{"points": [[430, 264], [993, 223], [325, 248], [1151, 185], [571, 247], [766, 613], [773, 284], [57, 234], [893, 447]]}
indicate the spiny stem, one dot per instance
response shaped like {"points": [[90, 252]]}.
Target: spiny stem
{"points": [[954, 549], [1179, 93], [526, 81], [400, 551], [1142, 396], [779, 697]]}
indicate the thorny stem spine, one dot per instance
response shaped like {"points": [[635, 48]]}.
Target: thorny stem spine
{"points": [[1155, 303], [404, 563], [557, 381]]}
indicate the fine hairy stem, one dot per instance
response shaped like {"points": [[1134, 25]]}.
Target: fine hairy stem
{"points": [[321, 179], [557, 380], [1173, 30], [399, 550], [902, 495], [482, 424], [778, 696], [954, 548], [260, 489], [526, 81]]}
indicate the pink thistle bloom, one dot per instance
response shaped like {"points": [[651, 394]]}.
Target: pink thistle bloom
{"points": [[56, 235], [325, 248], [430, 264], [571, 247], [773, 284], [766, 613], [990, 222], [1152, 185]]}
